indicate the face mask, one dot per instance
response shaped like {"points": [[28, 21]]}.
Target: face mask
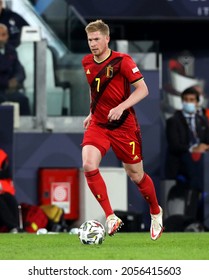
{"points": [[189, 107]]}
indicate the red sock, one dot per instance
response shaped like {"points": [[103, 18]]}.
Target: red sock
{"points": [[147, 189], [99, 190]]}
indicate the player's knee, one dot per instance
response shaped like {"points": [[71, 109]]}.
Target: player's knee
{"points": [[135, 177], [88, 165]]}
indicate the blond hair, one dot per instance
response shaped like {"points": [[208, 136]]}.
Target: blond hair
{"points": [[98, 25]]}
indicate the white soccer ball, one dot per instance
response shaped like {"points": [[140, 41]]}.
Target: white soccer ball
{"points": [[91, 232]]}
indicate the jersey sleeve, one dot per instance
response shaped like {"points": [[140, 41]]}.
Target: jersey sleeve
{"points": [[130, 69]]}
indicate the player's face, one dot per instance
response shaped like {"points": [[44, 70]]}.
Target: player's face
{"points": [[98, 43]]}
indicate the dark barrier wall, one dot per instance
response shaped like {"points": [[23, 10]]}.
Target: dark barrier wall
{"points": [[56, 150]]}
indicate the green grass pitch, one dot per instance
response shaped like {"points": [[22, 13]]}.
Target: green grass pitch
{"points": [[122, 246]]}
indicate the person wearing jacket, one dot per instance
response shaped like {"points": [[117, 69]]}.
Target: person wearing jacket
{"points": [[14, 23], [12, 74], [187, 135]]}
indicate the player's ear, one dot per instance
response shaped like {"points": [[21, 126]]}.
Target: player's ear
{"points": [[108, 38]]}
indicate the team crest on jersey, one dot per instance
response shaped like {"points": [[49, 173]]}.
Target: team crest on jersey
{"points": [[109, 71]]}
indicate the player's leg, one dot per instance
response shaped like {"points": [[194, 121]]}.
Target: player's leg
{"points": [[144, 184], [91, 159], [147, 190], [95, 145], [128, 147]]}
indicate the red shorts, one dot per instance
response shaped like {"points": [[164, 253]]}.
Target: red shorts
{"points": [[127, 145]]}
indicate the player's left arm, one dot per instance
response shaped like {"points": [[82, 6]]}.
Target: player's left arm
{"points": [[139, 93]]}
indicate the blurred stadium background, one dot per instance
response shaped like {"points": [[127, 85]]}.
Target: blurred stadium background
{"points": [[153, 32]]}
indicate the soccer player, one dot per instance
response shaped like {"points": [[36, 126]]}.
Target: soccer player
{"points": [[112, 123]]}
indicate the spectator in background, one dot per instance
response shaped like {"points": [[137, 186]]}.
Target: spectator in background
{"points": [[188, 138], [14, 23], [12, 74], [9, 212]]}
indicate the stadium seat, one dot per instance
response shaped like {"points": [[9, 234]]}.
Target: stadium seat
{"points": [[180, 82], [55, 95], [174, 101]]}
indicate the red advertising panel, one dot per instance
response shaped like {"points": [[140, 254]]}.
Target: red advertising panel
{"points": [[60, 187]]}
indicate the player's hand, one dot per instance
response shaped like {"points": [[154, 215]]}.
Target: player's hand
{"points": [[87, 121], [115, 114]]}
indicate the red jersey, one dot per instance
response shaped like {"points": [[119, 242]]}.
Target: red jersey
{"points": [[109, 83]]}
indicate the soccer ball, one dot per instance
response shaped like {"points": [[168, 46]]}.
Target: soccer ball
{"points": [[91, 232]]}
